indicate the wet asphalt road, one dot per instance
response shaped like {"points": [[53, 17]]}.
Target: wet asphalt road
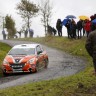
{"points": [[60, 64]]}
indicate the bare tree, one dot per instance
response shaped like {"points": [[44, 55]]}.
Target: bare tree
{"points": [[46, 13]]}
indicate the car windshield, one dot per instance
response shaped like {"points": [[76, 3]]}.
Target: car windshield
{"points": [[22, 51]]}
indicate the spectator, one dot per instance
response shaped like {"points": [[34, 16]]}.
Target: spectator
{"points": [[73, 29], [4, 35], [79, 28], [51, 31], [59, 27], [83, 24], [87, 27], [91, 47], [26, 33], [54, 31], [31, 32], [68, 28]]}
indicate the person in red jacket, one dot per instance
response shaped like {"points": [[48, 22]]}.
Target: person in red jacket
{"points": [[87, 27]]}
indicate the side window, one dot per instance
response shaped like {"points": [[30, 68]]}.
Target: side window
{"points": [[38, 49]]}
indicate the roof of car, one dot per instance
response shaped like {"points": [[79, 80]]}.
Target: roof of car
{"points": [[26, 46]]}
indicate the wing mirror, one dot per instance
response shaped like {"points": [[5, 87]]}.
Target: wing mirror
{"points": [[39, 52]]}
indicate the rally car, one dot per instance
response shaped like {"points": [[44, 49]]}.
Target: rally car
{"points": [[25, 58]]}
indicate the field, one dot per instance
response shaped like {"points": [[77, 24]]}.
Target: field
{"points": [[81, 84], [4, 48]]}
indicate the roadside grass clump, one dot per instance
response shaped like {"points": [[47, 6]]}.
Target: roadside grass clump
{"points": [[4, 48], [80, 84]]}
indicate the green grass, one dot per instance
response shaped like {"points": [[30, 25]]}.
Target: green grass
{"points": [[81, 84], [4, 48]]}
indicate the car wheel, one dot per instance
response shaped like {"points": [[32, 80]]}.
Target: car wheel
{"points": [[30, 70], [5, 74], [46, 63], [37, 67]]}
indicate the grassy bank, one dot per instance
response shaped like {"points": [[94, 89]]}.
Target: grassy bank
{"points": [[81, 84], [4, 48]]}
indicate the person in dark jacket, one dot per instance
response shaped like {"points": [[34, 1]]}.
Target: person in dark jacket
{"points": [[91, 47], [92, 25], [4, 35], [73, 29], [79, 28], [59, 27], [68, 28]]}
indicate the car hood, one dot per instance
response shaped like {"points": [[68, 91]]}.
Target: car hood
{"points": [[18, 58]]}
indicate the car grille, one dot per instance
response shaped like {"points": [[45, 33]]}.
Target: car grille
{"points": [[17, 60], [17, 66]]}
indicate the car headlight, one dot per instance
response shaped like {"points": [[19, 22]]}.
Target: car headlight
{"points": [[5, 62], [31, 61]]}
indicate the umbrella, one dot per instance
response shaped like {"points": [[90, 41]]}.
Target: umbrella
{"points": [[94, 21], [83, 17], [70, 16], [65, 21]]}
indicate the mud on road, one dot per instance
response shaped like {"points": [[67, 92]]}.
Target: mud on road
{"points": [[60, 64]]}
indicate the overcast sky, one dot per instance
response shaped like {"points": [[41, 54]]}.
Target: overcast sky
{"points": [[61, 8]]}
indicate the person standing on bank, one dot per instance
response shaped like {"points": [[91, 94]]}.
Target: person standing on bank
{"points": [[59, 27], [90, 46], [79, 28], [4, 34]]}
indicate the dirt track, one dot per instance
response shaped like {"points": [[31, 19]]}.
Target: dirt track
{"points": [[60, 64]]}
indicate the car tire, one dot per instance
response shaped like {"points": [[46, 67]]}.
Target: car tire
{"points": [[37, 67], [30, 70], [5, 74], [46, 63]]}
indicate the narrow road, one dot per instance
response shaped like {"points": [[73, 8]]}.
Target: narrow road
{"points": [[60, 64]]}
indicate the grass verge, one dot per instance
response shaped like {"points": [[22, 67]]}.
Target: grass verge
{"points": [[4, 48], [81, 84]]}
